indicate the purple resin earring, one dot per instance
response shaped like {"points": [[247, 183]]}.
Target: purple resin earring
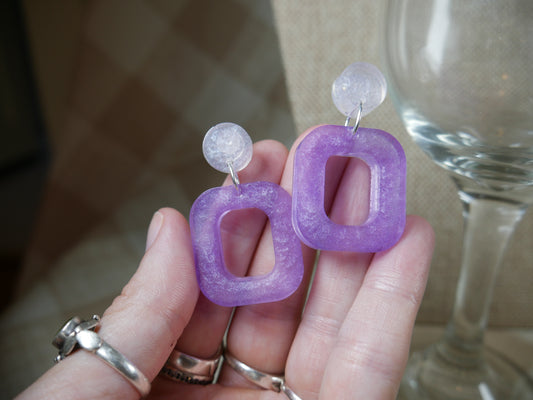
{"points": [[228, 148], [356, 92]]}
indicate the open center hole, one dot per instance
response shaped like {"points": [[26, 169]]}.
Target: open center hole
{"points": [[347, 190], [245, 236]]}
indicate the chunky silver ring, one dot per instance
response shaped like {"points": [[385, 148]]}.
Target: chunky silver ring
{"points": [[185, 368], [261, 379], [80, 334]]}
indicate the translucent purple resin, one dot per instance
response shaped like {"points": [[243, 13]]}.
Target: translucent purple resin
{"points": [[386, 160], [216, 282]]}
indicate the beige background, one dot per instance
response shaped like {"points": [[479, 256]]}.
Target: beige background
{"points": [[135, 85], [317, 42]]}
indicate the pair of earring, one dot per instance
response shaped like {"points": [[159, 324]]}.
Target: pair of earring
{"points": [[228, 148]]}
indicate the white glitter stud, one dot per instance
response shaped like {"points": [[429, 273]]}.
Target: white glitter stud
{"points": [[227, 144], [359, 83]]}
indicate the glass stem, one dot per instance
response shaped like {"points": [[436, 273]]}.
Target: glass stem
{"points": [[489, 224]]}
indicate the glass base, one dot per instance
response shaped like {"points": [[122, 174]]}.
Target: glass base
{"points": [[438, 374]]}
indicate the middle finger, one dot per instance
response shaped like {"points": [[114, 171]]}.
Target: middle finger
{"points": [[261, 335]]}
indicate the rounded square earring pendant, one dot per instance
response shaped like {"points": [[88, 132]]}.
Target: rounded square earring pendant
{"points": [[386, 159], [216, 282]]}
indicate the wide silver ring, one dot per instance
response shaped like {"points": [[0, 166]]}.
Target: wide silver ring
{"points": [[77, 333], [262, 379], [189, 369]]}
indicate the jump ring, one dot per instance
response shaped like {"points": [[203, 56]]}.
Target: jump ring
{"points": [[234, 177], [357, 118]]}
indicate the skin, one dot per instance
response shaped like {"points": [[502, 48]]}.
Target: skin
{"points": [[351, 341]]}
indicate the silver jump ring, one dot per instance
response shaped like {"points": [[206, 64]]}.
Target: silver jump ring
{"points": [[234, 176], [357, 118], [80, 334], [185, 368], [262, 379]]}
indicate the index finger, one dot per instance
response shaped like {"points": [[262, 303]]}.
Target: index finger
{"points": [[143, 323]]}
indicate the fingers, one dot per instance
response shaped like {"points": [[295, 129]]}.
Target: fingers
{"points": [[371, 349], [240, 232], [143, 323], [341, 282], [158, 301], [352, 340], [261, 335], [337, 280]]}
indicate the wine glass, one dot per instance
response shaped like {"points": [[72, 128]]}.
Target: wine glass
{"points": [[461, 77]]}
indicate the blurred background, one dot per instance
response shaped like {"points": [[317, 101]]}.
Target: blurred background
{"points": [[103, 108]]}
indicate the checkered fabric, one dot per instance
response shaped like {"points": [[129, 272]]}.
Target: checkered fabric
{"points": [[151, 78]]}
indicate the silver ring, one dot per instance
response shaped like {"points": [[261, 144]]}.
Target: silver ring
{"points": [[186, 368], [80, 334], [262, 379]]}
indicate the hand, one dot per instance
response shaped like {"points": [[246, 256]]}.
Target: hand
{"points": [[351, 341]]}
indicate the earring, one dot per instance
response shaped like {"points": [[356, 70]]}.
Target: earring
{"points": [[356, 92], [228, 148]]}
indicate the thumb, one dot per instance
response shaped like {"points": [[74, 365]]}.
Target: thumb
{"points": [[143, 323]]}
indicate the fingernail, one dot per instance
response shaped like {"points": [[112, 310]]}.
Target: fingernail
{"points": [[153, 229]]}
